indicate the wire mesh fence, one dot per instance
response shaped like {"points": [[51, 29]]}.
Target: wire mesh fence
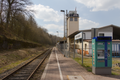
{"points": [[68, 51]]}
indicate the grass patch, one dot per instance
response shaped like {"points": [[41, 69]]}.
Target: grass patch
{"points": [[14, 64], [115, 73], [10, 66], [115, 68], [87, 63]]}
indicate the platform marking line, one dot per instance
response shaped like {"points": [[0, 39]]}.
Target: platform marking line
{"points": [[59, 66]]}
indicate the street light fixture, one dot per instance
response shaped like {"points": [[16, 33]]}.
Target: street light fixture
{"points": [[62, 11], [58, 33]]}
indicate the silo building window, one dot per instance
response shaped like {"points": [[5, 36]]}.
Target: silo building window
{"points": [[75, 19], [71, 19]]}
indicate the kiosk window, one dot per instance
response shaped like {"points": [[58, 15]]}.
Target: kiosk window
{"points": [[100, 54], [103, 38], [101, 34]]}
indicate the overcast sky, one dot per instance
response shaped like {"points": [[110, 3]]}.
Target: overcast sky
{"points": [[93, 13]]}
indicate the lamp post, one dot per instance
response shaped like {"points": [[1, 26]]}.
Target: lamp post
{"points": [[64, 30], [57, 36], [58, 33]]}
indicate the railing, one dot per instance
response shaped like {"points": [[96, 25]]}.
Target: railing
{"points": [[116, 50]]}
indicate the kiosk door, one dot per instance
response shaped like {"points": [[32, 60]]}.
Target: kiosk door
{"points": [[101, 54]]}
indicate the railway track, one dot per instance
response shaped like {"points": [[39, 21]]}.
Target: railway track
{"points": [[26, 71]]}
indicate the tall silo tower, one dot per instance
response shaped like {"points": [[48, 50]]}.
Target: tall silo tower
{"points": [[72, 24]]}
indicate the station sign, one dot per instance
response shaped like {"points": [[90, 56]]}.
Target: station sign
{"points": [[78, 36], [64, 38]]}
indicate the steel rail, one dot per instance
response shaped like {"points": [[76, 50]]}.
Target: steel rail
{"points": [[26, 63], [38, 65]]}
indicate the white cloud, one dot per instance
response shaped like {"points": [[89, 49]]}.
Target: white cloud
{"points": [[87, 24], [100, 5], [45, 13], [60, 34], [52, 29], [83, 24]]}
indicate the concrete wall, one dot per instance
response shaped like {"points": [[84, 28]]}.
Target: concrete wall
{"points": [[87, 35], [94, 32], [72, 25]]}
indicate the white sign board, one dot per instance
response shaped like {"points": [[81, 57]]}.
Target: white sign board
{"points": [[78, 36]]}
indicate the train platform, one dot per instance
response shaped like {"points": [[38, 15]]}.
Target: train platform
{"points": [[62, 68]]}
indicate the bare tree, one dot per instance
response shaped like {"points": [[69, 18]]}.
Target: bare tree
{"points": [[13, 16], [1, 12], [14, 7]]}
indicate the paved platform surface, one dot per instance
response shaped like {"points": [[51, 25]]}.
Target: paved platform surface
{"points": [[62, 68]]}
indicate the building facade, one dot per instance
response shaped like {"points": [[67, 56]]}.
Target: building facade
{"points": [[110, 30]]}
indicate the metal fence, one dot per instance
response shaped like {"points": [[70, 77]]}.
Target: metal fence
{"points": [[69, 52], [116, 50], [87, 52], [62, 49]]}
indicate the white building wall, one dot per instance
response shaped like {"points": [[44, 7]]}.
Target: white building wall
{"points": [[90, 48], [84, 43], [108, 31], [73, 26], [87, 35]]}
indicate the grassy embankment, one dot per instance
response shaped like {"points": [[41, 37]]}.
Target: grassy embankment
{"points": [[10, 59], [87, 63]]}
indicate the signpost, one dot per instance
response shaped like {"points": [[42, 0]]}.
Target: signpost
{"points": [[64, 38], [76, 37]]}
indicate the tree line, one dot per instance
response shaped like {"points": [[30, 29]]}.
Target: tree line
{"points": [[19, 21]]}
